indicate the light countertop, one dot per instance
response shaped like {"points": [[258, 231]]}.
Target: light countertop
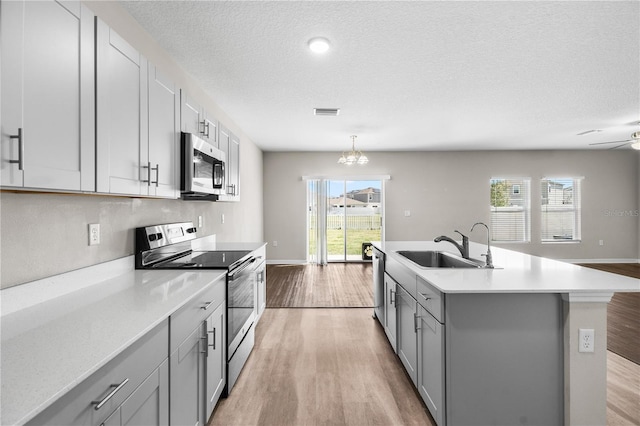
{"points": [[51, 346], [515, 272]]}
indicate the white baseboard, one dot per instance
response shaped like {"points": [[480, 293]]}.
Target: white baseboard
{"points": [[600, 260], [286, 262]]}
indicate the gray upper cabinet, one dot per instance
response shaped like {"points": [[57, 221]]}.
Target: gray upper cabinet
{"points": [[47, 77], [230, 145], [138, 111], [121, 90], [162, 154], [194, 119]]}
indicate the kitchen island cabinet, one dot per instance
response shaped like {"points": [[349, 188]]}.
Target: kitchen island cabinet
{"points": [[499, 346], [48, 102]]}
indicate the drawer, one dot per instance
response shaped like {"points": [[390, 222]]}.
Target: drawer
{"points": [[134, 364], [430, 299], [196, 310], [401, 274]]}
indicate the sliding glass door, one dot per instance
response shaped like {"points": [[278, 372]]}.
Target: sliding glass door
{"points": [[350, 211]]}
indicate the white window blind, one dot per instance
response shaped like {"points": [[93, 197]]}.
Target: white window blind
{"points": [[560, 202], [510, 209]]}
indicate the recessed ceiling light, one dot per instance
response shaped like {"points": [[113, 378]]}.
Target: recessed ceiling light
{"points": [[319, 45]]}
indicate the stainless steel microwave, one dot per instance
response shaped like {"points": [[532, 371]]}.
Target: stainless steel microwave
{"points": [[202, 169]]}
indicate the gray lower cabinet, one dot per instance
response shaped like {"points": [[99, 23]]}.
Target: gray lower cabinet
{"points": [[407, 339], [216, 357], [147, 405], [390, 298], [187, 380], [431, 364], [130, 389], [198, 356]]}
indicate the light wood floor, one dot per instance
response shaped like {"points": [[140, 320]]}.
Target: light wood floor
{"points": [[312, 286], [321, 367]]}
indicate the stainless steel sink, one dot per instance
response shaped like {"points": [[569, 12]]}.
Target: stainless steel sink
{"points": [[439, 259]]}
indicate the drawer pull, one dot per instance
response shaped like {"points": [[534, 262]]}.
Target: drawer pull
{"points": [[208, 305], [100, 404], [424, 296]]}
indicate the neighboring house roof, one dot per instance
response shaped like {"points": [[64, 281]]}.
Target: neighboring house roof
{"points": [[342, 201]]}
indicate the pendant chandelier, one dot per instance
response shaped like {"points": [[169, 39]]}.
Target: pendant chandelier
{"points": [[353, 157]]}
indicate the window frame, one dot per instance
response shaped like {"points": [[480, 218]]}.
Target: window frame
{"points": [[547, 199], [523, 197]]}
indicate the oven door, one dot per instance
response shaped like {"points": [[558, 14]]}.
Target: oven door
{"points": [[241, 309]]}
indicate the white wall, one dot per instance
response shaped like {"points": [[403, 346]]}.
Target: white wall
{"points": [[46, 234], [450, 190]]}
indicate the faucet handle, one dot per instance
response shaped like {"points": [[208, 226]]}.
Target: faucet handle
{"points": [[461, 234]]}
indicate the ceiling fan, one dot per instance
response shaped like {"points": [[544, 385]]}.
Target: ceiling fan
{"points": [[634, 142]]}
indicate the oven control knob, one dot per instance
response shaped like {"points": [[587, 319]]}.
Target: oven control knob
{"points": [[159, 236], [153, 237], [191, 230]]}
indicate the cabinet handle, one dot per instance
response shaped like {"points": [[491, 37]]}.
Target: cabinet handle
{"points": [[206, 344], [424, 296], [148, 167], [157, 169], [20, 160], [206, 126], [208, 305], [416, 317], [100, 404], [214, 338], [232, 189], [392, 297]]}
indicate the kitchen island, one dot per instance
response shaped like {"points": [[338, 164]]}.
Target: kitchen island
{"points": [[500, 346]]}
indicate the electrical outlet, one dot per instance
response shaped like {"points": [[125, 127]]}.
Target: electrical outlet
{"points": [[601, 242], [407, 213], [587, 340], [94, 234], [275, 243]]}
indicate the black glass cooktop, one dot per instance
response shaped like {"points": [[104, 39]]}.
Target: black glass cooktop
{"points": [[205, 260]]}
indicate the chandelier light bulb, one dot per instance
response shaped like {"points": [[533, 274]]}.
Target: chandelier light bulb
{"points": [[353, 157]]}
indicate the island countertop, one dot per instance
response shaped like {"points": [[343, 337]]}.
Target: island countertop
{"points": [[514, 272]]}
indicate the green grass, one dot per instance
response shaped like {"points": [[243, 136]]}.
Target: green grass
{"points": [[355, 238]]}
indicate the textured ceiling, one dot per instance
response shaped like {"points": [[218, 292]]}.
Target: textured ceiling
{"points": [[436, 75]]}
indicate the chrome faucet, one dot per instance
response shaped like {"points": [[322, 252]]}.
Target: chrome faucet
{"points": [[464, 248], [488, 255]]}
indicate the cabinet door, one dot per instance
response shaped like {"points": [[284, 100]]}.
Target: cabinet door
{"points": [[48, 95], [190, 115], [407, 336], [431, 364], [121, 113], [233, 160], [216, 357], [209, 129], [187, 376], [390, 299], [162, 154], [149, 403]]}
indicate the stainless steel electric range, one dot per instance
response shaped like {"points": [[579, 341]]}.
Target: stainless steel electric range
{"points": [[176, 246]]}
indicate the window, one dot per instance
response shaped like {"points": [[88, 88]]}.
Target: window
{"points": [[560, 202], [510, 210]]}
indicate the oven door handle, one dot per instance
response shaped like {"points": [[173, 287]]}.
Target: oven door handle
{"points": [[241, 268]]}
